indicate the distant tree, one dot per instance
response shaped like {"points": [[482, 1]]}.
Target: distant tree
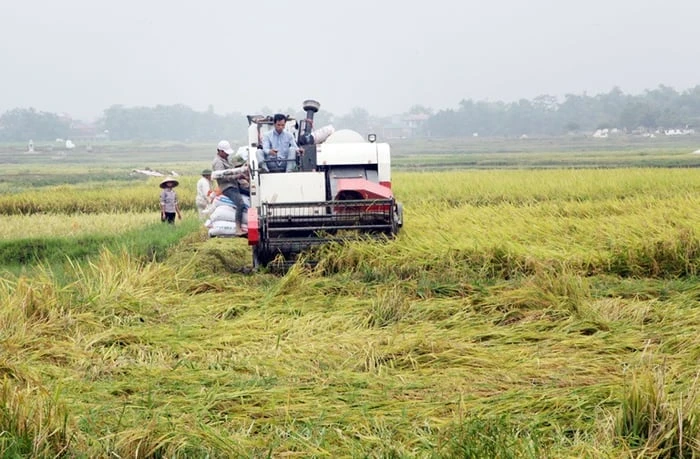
{"points": [[22, 124], [171, 122], [639, 114], [659, 107], [610, 105], [520, 118], [323, 118], [420, 110], [545, 102], [445, 123], [688, 106], [358, 120], [572, 126], [289, 111]]}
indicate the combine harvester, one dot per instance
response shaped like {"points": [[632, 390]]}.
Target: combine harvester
{"points": [[340, 189]]}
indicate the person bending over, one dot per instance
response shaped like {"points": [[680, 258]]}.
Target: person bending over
{"points": [[227, 179]]}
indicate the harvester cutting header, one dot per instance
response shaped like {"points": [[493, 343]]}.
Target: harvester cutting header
{"points": [[336, 185]]}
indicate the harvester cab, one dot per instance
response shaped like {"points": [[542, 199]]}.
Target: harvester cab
{"points": [[340, 189]]}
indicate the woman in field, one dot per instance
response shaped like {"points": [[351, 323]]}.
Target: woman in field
{"points": [[169, 206]]}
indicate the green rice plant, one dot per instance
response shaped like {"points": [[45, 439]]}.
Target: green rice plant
{"points": [[499, 299], [495, 437], [73, 225], [122, 288], [651, 423], [458, 188], [149, 241], [35, 321], [32, 424], [150, 440], [479, 225], [387, 308], [445, 285], [218, 256], [27, 252], [95, 197], [676, 253]]}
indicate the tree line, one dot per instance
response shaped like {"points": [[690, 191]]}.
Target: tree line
{"points": [[662, 107]]}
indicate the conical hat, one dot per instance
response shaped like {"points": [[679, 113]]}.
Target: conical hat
{"points": [[169, 179]]}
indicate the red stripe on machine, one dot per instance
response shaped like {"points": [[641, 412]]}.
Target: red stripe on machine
{"points": [[253, 226]]}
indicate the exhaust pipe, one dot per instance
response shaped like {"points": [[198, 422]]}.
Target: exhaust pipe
{"points": [[305, 137]]}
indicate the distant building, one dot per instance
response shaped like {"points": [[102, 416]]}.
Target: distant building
{"points": [[81, 130], [416, 121], [394, 130], [403, 126]]}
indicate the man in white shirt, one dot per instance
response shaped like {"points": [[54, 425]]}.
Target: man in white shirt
{"points": [[203, 192]]}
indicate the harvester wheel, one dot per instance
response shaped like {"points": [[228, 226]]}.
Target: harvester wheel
{"points": [[259, 258], [397, 220], [399, 214]]}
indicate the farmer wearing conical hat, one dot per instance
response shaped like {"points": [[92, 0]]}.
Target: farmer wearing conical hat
{"points": [[168, 201]]}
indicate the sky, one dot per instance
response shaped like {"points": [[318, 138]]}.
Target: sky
{"points": [[82, 56]]}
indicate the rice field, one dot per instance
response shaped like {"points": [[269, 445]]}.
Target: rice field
{"points": [[73, 225], [520, 313], [94, 197]]}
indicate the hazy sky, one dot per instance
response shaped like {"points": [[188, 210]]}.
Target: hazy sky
{"points": [[81, 56]]}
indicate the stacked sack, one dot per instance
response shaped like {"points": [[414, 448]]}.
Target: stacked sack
{"points": [[221, 216]]}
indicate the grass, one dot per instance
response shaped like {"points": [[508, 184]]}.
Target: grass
{"points": [[149, 241]]}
